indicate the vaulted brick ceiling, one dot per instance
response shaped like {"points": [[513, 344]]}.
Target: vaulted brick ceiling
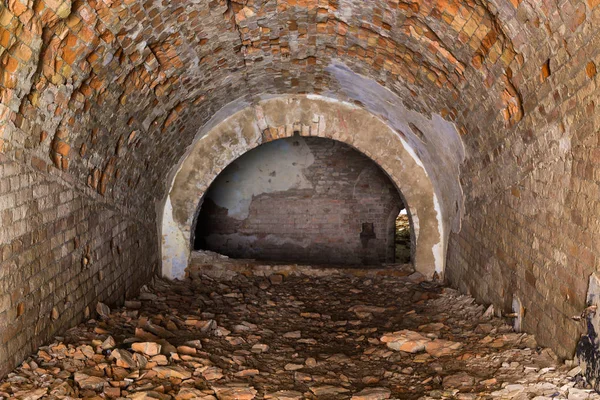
{"points": [[105, 96], [114, 90]]}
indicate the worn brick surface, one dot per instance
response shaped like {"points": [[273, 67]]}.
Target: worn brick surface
{"points": [[102, 97], [61, 251]]}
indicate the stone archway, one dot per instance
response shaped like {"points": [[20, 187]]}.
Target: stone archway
{"points": [[285, 116]]}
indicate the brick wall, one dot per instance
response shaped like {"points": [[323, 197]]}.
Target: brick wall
{"points": [[531, 188], [61, 251], [318, 218]]}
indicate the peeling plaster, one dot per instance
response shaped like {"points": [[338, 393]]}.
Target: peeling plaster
{"points": [[252, 178], [439, 249], [441, 155], [324, 117], [175, 252]]}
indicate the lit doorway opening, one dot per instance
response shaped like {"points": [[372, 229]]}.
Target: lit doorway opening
{"points": [[402, 238]]}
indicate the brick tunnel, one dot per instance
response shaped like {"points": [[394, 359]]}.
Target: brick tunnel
{"points": [[477, 116]]}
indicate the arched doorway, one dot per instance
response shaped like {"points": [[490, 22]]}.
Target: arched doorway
{"points": [[226, 139], [301, 199]]}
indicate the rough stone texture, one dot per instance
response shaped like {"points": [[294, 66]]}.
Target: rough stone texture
{"points": [[218, 266], [327, 338], [304, 200], [110, 92]]}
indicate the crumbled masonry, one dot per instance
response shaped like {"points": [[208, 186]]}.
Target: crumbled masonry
{"points": [[311, 334], [117, 115]]}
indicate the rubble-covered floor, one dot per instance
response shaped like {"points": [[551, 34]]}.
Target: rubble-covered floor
{"points": [[295, 337]]}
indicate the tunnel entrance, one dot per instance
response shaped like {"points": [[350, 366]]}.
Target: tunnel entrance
{"points": [[303, 200], [402, 238], [224, 140]]}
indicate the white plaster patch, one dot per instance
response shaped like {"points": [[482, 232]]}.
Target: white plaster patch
{"points": [[345, 11], [175, 252], [414, 217], [331, 100], [564, 145], [438, 249], [519, 310], [412, 153], [274, 167], [176, 243], [441, 153]]}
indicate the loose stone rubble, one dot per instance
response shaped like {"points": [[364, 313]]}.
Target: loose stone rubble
{"points": [[338, 336]]}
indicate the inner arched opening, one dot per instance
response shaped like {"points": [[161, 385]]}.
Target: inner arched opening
{"points": [[306, 200], [402, 238], [225, 139]]}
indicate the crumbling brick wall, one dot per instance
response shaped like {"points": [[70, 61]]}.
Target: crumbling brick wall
{"points": [[313, 200]]}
